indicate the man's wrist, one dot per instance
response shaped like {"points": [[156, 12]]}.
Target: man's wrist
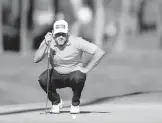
{"points": [[85, 69]]}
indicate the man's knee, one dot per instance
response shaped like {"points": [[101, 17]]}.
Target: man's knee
{"points": [[78, 80], [42, 79], [79, 77]]}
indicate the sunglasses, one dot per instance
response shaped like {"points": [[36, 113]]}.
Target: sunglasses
{"points": [[60, 34]]}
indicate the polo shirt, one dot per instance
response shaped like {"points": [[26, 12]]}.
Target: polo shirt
{"points": [[70, 58]]}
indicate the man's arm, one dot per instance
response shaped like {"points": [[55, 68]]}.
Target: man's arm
{"points": [[42, 50], [97, 56], [40, 53]]}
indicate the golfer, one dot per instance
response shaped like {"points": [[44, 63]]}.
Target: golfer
{"points": [[67, 69]]}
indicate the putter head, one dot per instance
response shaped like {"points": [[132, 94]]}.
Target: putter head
{"points": [[45, 112]]}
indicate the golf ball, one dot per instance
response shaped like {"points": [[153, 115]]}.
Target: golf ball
{"points": [[73, 116]]}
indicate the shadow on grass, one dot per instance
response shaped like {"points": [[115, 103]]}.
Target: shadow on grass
{"points": [[106, 99], [83, 112], [88, 112], [91, 102], [43, 112]]}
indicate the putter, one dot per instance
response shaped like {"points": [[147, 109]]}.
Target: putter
{"points": [[48, 79]]}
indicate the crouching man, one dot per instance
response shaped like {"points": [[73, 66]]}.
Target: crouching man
{"points": [[67, 69]]}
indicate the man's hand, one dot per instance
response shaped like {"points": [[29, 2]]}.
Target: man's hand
{"points": [[83, 70], [48, 38]]}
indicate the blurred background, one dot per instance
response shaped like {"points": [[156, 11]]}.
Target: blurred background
{"points": [[130, 32]]}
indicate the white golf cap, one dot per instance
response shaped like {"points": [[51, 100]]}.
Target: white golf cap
{"points": [[60, 26]]}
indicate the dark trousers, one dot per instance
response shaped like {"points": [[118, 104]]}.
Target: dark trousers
{"points": [[74, 80]]}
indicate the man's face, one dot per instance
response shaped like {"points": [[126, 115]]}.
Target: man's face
{"points": [[61, 38]]}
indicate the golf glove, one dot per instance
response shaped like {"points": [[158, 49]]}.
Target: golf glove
{"points": [[48, 38]]}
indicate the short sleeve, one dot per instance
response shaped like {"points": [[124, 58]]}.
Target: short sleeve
{"points": [[86, 46], [43, 42]]}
